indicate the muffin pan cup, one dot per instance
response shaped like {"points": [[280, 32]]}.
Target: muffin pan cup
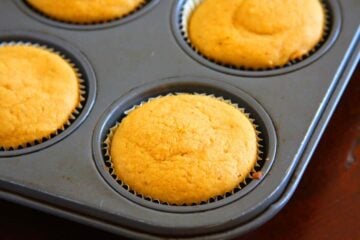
{"points": [[86, 82], [38, 15], [193, 85], [182, 13], [64, 178]]}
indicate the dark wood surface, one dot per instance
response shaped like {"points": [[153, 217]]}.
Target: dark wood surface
{"points": [[326, 205]]}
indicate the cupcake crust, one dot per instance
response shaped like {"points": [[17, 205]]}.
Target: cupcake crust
{"points": [[184, 149], [256, 33], [89, 11], [39, 90]]}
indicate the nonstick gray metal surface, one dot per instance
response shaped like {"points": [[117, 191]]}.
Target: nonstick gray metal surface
{"points": [[140, 56]]}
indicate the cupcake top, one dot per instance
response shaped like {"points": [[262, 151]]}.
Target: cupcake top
{"points": [[89, 11], [184, 149], [39, 90], [256, 33]]}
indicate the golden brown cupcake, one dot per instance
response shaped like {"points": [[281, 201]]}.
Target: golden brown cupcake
{"points": [[255, 33], [184, 149], [39, 90], [89, 11]]}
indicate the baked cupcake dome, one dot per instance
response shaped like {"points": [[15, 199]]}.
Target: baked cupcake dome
{"points": [[84, 12], [39, 90], [256, 33], [184, 149]]}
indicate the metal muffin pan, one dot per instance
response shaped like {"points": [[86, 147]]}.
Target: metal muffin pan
{"points": [[129, 59]]}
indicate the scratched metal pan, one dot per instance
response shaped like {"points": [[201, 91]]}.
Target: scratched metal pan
{"points": [[143, 55]]}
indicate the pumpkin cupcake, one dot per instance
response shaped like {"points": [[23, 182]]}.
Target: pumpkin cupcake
{"points": [[39, 91], [183, 149], [254, 34], [86, 12]]}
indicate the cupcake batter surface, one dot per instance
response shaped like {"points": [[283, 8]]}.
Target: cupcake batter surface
{"points": [[38, 92], [256, 33], [184, 149], [85, 11]]}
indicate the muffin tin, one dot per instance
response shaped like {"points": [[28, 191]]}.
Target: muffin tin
{"points": [[126, 61]]}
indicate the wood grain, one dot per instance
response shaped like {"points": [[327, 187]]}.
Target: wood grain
{"points": [[326, 205]]}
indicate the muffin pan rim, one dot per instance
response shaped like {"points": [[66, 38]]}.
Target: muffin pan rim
{"points": [[82, 64], [42, 18], [264, 121], [334, 31]]}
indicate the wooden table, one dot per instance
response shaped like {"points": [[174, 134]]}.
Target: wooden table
{"points": [[326, 205]]}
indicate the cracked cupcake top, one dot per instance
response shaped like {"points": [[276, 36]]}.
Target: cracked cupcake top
{"points": [[256, 33], [39, 90], [184, 148]]}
